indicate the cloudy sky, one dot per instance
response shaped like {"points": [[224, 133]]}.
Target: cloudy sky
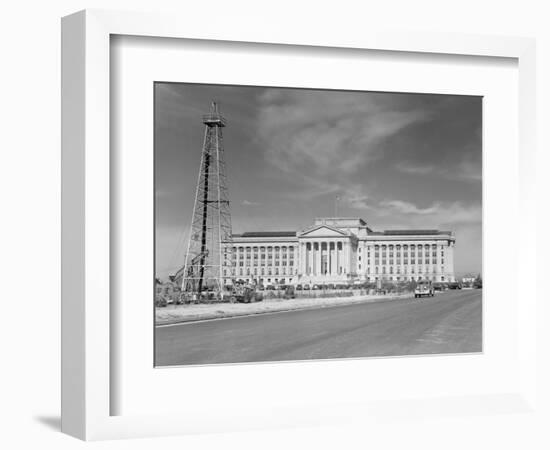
{"points": [[396, 160]]}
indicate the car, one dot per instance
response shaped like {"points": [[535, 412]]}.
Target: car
{"points": [[298, 287], [455, 285], [424, 288], [306, 287], [438, 287]]}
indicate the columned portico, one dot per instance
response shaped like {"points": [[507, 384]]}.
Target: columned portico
{"points": [[327, 254]]}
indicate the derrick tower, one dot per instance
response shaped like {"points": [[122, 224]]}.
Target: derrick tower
{"points": [[208, 261]]}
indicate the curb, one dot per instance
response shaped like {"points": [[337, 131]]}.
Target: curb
{"points": [[211, 317]]}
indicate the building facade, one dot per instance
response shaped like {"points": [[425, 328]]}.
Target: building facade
{"points": [[338, 250]]}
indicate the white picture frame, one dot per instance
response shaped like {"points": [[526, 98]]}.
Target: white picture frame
{"points": [[86, 246]]}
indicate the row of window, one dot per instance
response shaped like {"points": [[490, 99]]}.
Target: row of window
{"points": [[264, 256], [405, 247], [242, 249], [262, 271], [263, 263], [413, 278], [411, 269]]}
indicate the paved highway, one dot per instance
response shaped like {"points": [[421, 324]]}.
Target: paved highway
{"points": [[450, 322]]}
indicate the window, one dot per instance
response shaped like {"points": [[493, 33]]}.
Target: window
{"points": [[359, 258]]}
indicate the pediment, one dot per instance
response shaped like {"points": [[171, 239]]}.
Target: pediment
{"points": [[323, 231]]}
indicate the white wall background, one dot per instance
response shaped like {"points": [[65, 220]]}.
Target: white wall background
{"points": [[29, 229]]}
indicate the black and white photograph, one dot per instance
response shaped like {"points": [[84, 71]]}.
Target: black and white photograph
{"points": [[297, 224]]}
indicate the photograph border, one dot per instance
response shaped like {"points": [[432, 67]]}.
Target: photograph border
{"points": [[86, 250]]}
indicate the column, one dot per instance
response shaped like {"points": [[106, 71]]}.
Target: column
{"points": [[346, 257], [311, 258], [320, 250], [333, 258], [338, 257]]}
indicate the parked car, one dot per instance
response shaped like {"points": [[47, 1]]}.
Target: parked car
{"points": [[424, 288], [298, 287], [438, 286], [478, 284], [455, 285], [306, 287]]}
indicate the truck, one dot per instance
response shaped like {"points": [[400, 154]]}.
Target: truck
{"points": [[424, 288], [245, 294]]}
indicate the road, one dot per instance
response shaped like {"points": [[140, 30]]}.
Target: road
{"points": [[450, 322]]}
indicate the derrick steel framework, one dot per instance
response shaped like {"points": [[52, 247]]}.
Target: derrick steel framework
{"points": [[208, 261]]}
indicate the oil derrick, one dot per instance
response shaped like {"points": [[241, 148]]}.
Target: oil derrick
{"points": [[208, 261]]}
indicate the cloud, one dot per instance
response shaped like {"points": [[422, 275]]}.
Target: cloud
{"points": [[409, 208], [414, 169], [437, 214], [328, 136], [249, 203], [466, 170]]}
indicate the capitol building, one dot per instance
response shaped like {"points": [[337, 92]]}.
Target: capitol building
{"points": [[340, 250]]}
